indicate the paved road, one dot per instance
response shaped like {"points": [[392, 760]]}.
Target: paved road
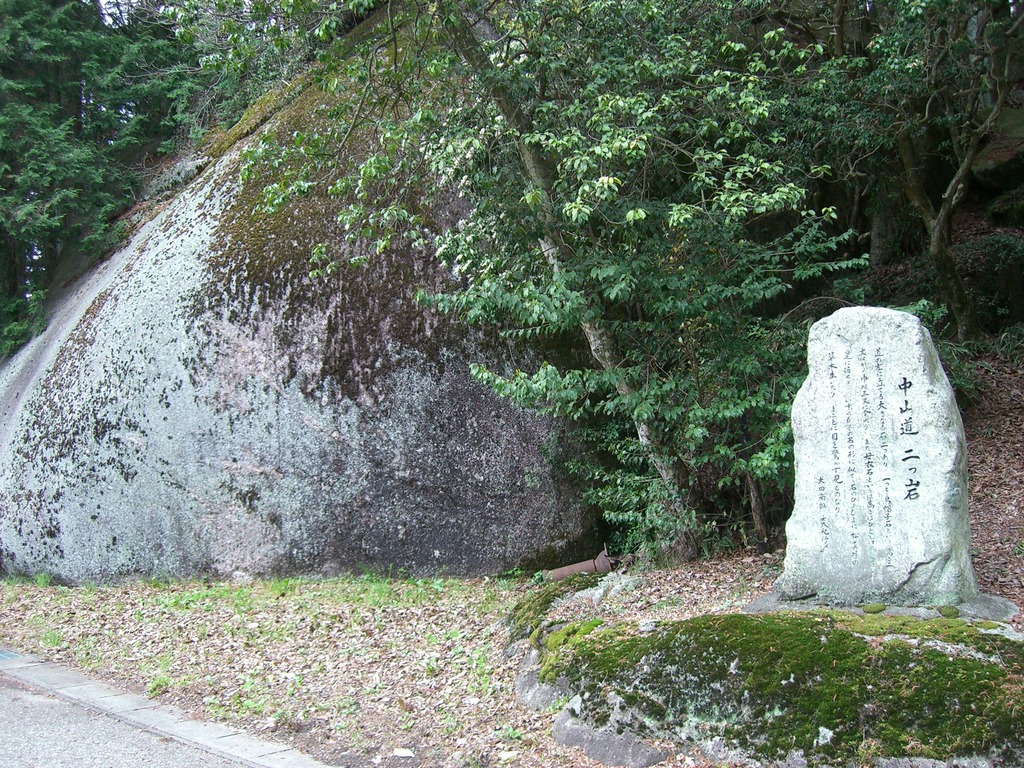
{"points": [[51, 717], [40, 731]]}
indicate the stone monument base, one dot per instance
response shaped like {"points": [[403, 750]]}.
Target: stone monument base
{"points": [[980, 607]]}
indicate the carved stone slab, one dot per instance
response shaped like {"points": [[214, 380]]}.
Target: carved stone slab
{"points": [[881, 469]]}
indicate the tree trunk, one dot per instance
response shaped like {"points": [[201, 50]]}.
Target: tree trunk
{"points": [[688, 546], [757, 511], [960, 302], [605, 351], [882, 247], [12, 266], [936, 222], [839, 29]]}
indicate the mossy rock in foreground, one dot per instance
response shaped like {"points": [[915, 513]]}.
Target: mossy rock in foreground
{"points": [[836, 687], [529, 613]]}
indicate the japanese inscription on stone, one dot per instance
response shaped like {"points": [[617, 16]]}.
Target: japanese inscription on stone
{"points": [[881, 492]]}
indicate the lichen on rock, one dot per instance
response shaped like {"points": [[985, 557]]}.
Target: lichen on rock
{"points": [[824, 688]]}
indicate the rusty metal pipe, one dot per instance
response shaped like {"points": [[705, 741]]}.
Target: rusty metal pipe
{"points": [[600, 564]]}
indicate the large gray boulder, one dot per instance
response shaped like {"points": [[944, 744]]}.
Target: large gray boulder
{"points": [[199, 404], [1000, 162]]}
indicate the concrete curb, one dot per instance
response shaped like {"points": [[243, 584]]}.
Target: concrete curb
{"points": [[140, 712]]}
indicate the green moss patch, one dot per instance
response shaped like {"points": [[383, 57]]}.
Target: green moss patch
{"points": [[561, 638], [255, 117], [527, 616], [837, 687]]}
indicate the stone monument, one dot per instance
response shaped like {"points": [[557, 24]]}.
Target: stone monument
{"points": [[881, 469]]}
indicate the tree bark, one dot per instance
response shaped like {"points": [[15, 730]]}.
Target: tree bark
{"points": [[839, 29], [936, 222], [11, 266], [757, 511]]}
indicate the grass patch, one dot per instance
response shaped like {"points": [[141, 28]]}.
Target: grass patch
{"points": [[52, 638], [204, 597], [346, 662]]}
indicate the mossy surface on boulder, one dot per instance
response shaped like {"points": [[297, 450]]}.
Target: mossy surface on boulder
{"points": [[1007, 210], [834, 687], [528, 615]]}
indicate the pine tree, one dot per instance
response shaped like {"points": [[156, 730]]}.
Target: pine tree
{"points": [[75, 112]]}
